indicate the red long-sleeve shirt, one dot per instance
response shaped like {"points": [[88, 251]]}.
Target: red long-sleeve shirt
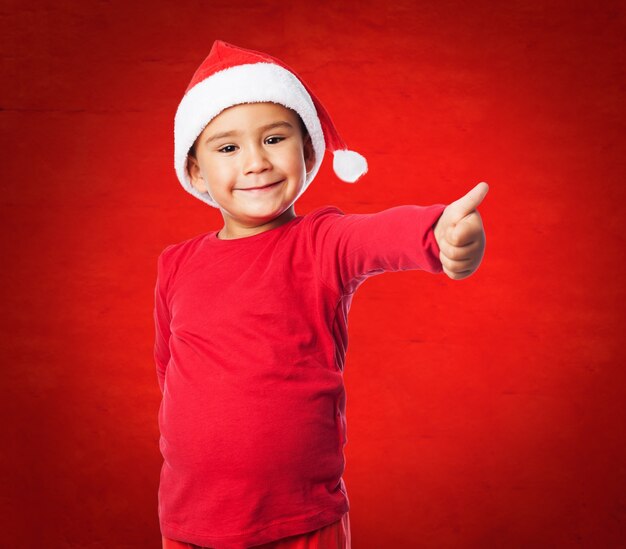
{"points": [[251, 339]]}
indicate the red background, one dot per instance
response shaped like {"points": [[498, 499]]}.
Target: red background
{"points": [[485, 412]]}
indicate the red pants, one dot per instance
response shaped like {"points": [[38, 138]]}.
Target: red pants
{"points": [[333, 536]]}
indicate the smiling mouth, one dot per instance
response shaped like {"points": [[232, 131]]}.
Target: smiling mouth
{"points": [[261, 188]]}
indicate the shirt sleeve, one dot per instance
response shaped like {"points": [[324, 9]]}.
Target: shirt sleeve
{"points": [[352, 247], [162, 324]]}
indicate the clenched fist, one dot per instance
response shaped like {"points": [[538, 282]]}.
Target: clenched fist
{"points": [[460, 235]]}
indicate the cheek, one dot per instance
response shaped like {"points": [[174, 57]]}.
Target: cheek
{"points": [[219, 173], [295, 161]]}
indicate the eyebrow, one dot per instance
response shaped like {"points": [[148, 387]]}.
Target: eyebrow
{"points": [[281, 123]]}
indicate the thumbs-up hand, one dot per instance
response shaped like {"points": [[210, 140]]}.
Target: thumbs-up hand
{"points": [[460, 235]]}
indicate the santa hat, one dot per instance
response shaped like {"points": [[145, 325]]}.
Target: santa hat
{"points": [[231, 75]]}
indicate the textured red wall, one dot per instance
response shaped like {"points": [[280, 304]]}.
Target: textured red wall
{"points": [[486, 412]]}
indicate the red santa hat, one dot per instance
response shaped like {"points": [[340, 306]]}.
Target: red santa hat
{"points": [[231, 75]]}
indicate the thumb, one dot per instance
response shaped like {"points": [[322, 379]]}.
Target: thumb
{"points": [[468, 203]]}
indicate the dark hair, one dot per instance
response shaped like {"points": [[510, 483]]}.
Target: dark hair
{"points": [[305, 132]]}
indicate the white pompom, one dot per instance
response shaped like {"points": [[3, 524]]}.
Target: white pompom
{"points": [[349, 165]]}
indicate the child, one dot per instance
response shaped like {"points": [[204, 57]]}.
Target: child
{"points": [[251, 320]]}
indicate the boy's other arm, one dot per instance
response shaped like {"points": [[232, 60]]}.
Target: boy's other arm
{"points": [[162, 326], [460, 234]]}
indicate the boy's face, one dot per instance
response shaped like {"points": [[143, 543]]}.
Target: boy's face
{"points": [[227, 167]]}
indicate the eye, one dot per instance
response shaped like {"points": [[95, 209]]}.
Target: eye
{"points": [[225, 147], [276, 137]]}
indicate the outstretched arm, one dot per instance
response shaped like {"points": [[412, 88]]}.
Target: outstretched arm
{"points": [[352, 247], [460, 235]]}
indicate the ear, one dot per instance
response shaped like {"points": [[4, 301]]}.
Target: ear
{"points": [[195, 175], [309, 153]]}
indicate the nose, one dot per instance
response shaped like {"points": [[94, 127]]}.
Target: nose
{"points": [[255, 159]]}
